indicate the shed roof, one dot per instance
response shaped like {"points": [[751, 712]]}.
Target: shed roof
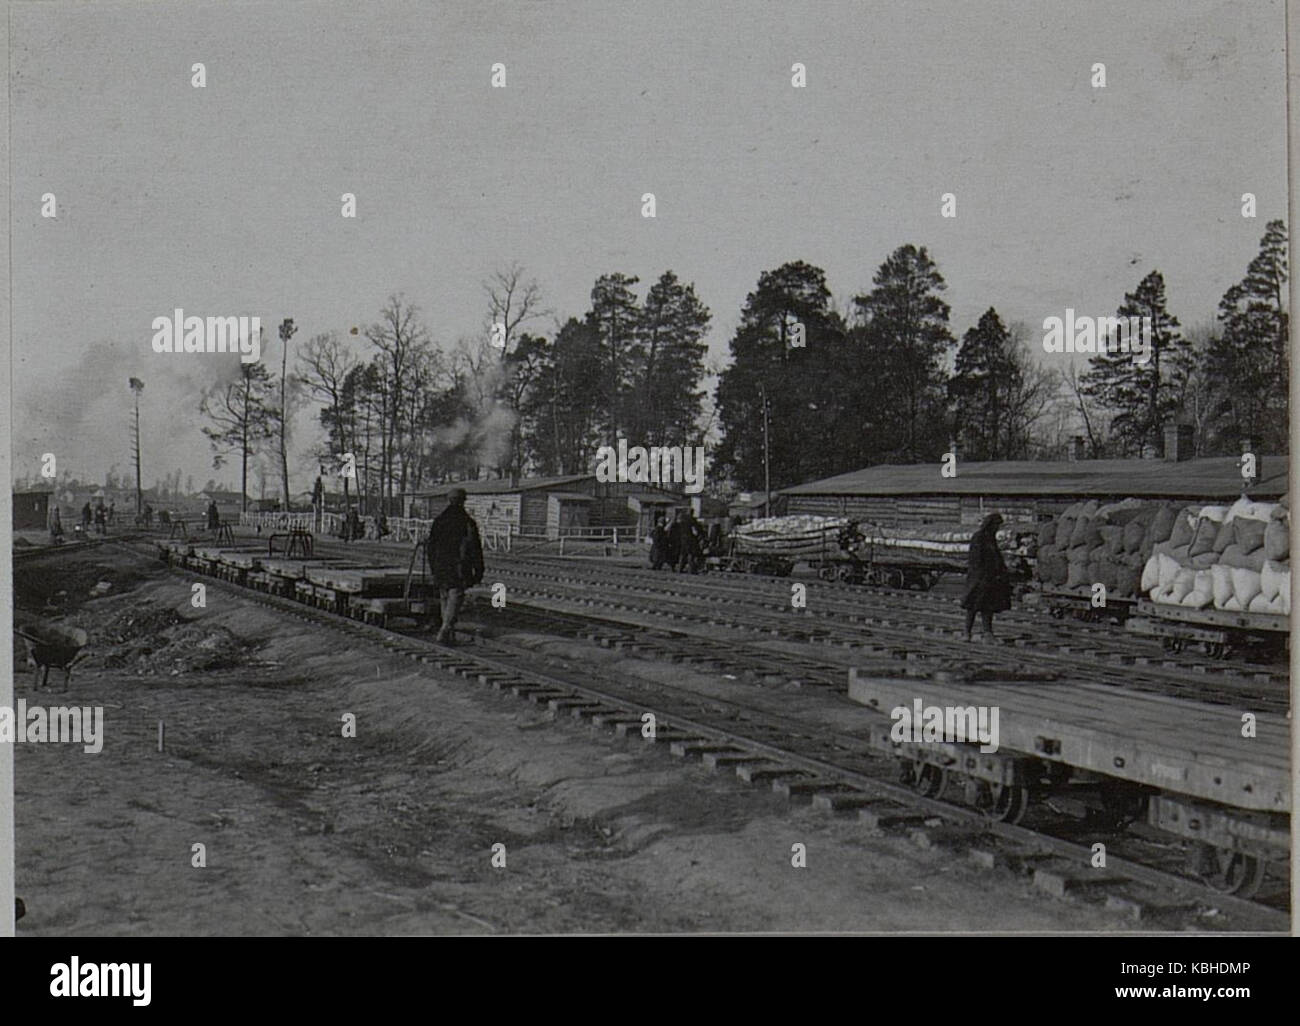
{"points": [[572, 497], [1214, 477], [502, 486]]}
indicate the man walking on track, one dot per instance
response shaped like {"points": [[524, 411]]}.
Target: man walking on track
{"points": [[988, 585], [455, 554]]}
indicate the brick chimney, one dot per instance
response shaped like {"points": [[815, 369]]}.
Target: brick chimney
{"points": [[1078, 449], [1179, 442]]}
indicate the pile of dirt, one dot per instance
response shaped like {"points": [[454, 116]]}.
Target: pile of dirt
{"points": [[183, 648], [135, 622]]}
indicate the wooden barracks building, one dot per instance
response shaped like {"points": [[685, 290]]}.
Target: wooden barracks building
{"points": [[1025, 490], [546, 507]]}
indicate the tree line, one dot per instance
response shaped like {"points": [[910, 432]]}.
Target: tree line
{"points": [[879, 379]]}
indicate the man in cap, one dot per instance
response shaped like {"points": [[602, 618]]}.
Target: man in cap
{"points": [[455, 554]]}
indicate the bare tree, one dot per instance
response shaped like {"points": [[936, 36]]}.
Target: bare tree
{"points": [[324, 365], [1030, 402], [399, 336], [241, 419], [512, 302], [1093, 418]]}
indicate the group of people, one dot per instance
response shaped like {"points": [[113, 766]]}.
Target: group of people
{"points": [[353, 528], [683, 544], [99, 516]]}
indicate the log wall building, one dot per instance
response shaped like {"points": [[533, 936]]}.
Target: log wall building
{"points": [[1025, 491]]}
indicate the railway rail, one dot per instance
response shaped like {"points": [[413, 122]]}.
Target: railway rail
{"points": [[925, 630], [836, 770]]}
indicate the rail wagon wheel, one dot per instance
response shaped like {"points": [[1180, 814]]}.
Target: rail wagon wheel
{"points": [[1009, 803], [1233, 872]]}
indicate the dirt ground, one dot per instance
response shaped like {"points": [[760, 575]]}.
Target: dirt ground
{"points": [[392, 832]]}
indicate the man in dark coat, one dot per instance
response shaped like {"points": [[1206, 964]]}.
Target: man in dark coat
{"points": [[214, 516], [658, 543], [678, 533], [988, 585], [86, 517], [101, 518], [455, 554], [690, 556]]}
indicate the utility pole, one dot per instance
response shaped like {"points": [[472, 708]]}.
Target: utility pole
{"points": [[137, 386], [287, 330]]}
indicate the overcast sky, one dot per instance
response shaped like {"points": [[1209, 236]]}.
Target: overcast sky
{"points": [[225, 200]]}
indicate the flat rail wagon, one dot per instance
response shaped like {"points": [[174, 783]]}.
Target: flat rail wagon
{"points": [[1184, 767], [1222, 632]]}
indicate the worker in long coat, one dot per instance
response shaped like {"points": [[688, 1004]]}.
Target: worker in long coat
{"points": [[988, 584], [658, 543], [455, 553], [678, 533]]}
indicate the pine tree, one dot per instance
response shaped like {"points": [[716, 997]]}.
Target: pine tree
{"points": [[1142, 396], [562, 408], [903, 339], [614, 316], [806, 388], [1250, 358], [666, 394], [982, 390]]}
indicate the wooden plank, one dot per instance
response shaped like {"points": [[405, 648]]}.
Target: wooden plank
{"points": [[296, 568], [1189, 747], [371, 581]]}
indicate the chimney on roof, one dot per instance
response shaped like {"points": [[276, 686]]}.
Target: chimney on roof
{"points": [[1179, 442], [1078, 449], [514, 479]]}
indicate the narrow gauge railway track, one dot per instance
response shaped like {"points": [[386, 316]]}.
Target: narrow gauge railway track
{"points": [[915, 640], [801, 760], [27, 555], [848, 603]]}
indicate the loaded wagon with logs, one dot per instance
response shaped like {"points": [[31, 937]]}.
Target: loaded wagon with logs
{"points": [[860, 553]]}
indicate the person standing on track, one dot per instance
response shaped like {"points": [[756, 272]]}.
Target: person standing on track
{"points": [[455, 554], [988, 584], [101, 518], [658, 543], [677, 535]]}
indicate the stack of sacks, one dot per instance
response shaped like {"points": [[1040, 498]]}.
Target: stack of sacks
{"points": [[1094, 544], [1230, 557]]}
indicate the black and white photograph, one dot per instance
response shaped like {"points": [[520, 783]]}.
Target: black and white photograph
{"points": [[567, 469]]}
